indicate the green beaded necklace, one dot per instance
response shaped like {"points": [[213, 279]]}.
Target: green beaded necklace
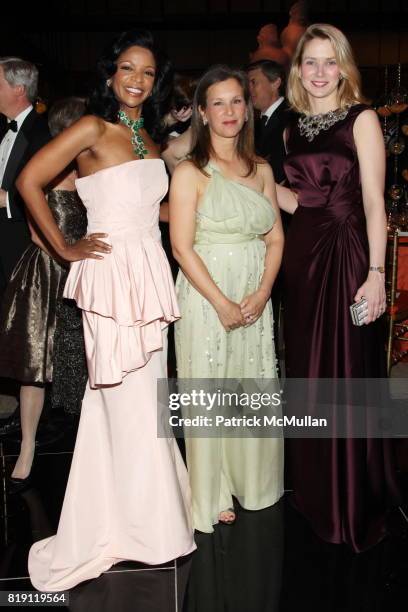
{"points": [[135, 125]]}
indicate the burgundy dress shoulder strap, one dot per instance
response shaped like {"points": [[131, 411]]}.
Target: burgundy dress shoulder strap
{"points": [[353, 113]]}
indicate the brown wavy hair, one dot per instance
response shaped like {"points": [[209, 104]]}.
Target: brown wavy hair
{"points": [[201, 141], [349, 89]]}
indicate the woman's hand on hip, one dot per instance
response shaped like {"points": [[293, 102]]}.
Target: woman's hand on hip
{"points": [[87, 248], [374, 291]]}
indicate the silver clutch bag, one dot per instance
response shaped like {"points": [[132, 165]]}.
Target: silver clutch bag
{"points": [[358, 312]]}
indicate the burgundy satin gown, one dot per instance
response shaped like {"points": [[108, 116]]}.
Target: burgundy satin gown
{"points": [[342, 486]]}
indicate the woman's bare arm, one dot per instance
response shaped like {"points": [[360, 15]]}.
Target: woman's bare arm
{"points": [[371, 156], [36, 238], [48, 163], [184, 195], [274, 239], [254, 304], [287, 199], [177, 150]]}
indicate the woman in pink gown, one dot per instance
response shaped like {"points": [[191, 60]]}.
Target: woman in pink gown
{"points": [[127, 495]]}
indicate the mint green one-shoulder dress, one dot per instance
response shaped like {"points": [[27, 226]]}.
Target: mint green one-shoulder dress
{"points": [[231, 220]]}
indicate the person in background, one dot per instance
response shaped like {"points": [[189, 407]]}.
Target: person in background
{"points": [[177, 120], [266, 84], [24, 133], [177, 150], [178, 144], [29, 310], [69, 371]]}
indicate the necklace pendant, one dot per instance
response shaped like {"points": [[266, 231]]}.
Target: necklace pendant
{"points": [[137, 141]]}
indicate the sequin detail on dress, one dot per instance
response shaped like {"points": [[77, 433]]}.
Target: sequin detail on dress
{"points": [[231, 218]]}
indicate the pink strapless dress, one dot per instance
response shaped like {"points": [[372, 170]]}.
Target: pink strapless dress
{"points": [[127, 496]]}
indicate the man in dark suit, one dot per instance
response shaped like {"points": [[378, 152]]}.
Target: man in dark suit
{"points": [[266, 80], [24, 133], [266, 83]]}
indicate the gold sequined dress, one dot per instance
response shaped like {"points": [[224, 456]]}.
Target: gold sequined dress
{"points": [[230, 220], [33, 308]]}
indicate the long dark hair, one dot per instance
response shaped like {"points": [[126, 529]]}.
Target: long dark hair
{"points": [[201, 141], [64, 113], [103, 102]]}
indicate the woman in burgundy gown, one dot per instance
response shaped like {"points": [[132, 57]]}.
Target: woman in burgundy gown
{"points": [[334, 255]]}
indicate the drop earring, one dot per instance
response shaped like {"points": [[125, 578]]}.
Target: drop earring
{"points": [[205, 121]]}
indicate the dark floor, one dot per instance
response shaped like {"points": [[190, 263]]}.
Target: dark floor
{"points": [[268, 561]]}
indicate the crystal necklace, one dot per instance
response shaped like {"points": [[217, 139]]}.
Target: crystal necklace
{"points": [[135, 125], [311, 125]]}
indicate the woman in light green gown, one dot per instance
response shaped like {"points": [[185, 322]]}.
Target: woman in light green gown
{"points": [[227, 237]]}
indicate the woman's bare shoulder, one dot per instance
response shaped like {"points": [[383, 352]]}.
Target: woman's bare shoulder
{"points": [[366, 118], [186, 169], [92, 125], [264, 169], [188, 177]]}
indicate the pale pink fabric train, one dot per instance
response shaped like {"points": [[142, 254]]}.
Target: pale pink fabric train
{"points": [[128, 495]]}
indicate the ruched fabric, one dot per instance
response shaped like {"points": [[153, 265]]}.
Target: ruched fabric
{"points": [[344, 487], [128, 297]]}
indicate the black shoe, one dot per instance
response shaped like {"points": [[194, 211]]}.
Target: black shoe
{"points": [[10, 426], [18, 485]]}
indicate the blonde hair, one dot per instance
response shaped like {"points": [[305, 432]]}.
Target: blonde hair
{"points": [[349, 89]]}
